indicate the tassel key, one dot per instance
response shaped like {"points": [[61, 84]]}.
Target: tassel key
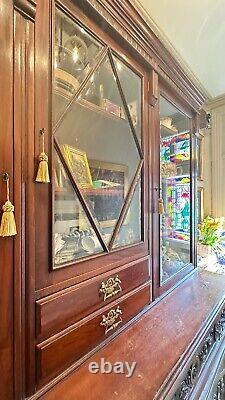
{"points": [[161, 209], [8, 224], [43, 172]]}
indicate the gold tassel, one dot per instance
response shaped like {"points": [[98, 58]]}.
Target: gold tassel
{"points": [[8, 225], [161, 209], [43, 172]]}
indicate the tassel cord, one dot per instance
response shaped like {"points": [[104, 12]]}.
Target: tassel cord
{"points": [[43, 172], [8, 225], [7, 189]]}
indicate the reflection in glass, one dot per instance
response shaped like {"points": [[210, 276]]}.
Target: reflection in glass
{"points": [[175, 190], [74, 235], [130, 231], [99, 147], [131, 85], [74, 55]]}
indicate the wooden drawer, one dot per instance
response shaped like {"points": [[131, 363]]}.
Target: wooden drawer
{"points": [[63, 309], [58, 353]]}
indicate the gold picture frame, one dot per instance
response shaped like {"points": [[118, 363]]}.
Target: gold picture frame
{"points": [[106, 170], [79, 165]]}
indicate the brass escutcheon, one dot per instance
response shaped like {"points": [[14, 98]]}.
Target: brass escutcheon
{"points": [[111, 287], [112, 320]]}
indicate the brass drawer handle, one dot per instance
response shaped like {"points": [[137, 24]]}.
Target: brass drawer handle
{"points": [[111, 287], [112, 320]]}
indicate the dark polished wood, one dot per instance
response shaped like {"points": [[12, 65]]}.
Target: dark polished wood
{"points": [[26, 7], [159, 342], [58, 353], [50, 317], [6, 165], [64, 308], [153, 88], [214, 370], [23, 130]]}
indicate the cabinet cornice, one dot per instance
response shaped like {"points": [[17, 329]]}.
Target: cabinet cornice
{"points": [[121, 15]]}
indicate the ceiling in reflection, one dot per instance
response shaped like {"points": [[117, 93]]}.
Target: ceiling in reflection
{"points": [[196, 29]]}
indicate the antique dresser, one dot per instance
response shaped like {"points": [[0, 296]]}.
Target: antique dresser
{"points": [[104, 260]]}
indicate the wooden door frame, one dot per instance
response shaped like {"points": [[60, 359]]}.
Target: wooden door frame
{"points": [[16, 72], [6, 165]]}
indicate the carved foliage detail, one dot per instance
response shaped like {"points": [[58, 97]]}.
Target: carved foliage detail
{"points": [[186, 386], [220, 390]]}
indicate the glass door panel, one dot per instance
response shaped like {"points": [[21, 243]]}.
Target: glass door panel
{"points": [[130, 231], [97, 136], [99, 147], [131, 85], [175, 188], [74, 236], [75, 53]]}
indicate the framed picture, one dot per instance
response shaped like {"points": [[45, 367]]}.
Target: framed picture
{"points": [[78, 163], [109, 199]]}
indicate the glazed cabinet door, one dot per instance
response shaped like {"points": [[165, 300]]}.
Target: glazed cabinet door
{"points": [[91, 264], [97, 147], [95, 141], [174, 193]]}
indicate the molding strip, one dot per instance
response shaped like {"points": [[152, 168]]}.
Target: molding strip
{"points": [[217, 102], [26, 7]]}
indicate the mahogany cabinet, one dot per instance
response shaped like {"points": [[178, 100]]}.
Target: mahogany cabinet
{"points": [[88, 83]]}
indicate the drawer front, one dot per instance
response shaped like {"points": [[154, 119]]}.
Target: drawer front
{"points": [[58, 353], [57, 312]]}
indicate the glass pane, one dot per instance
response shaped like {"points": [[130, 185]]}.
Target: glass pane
{"points": [[75, 53], [175, 222], [74, 236], [99, 147], [131, 85], [130, 231]]}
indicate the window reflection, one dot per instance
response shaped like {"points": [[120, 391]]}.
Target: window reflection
{"points": [[74, 54]]}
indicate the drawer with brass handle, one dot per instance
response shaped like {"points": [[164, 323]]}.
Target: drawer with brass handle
{"points": [[75, 342], [58, 311], [112, 320], [111, 287]]}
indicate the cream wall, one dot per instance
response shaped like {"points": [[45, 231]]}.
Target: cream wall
{"points": [[214, 162], [207, 173]]}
